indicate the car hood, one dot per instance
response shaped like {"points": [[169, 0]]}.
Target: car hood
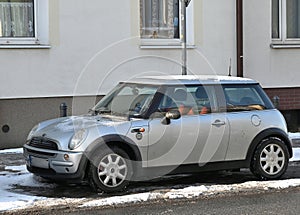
{"points": [[62, 129]]}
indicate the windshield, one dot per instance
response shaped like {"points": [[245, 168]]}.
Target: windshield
{"points": [[130, 100]]}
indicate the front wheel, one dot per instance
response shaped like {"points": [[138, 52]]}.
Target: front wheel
{"points": [[110, 170], [270, 159]]}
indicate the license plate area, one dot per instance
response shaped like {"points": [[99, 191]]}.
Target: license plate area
{"points": [[37, 162]]}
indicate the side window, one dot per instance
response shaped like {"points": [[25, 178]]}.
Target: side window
{"points": [[189, 100], [244, 98]]}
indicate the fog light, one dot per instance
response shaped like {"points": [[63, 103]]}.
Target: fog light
{"points": [[66, 157]]}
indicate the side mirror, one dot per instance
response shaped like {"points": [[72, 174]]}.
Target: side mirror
{"points": [[174, 114]]}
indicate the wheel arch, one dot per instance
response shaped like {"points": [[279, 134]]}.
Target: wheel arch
{"points": [[120, 141], [271, 132]]}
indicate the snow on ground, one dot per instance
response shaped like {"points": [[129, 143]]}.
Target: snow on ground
{"points": [[192, 192], [10, 176], [296, 156], [294, 135], [18, 175], [11, 151]]}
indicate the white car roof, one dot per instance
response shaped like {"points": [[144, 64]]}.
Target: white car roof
{"points": [[190, 80]]}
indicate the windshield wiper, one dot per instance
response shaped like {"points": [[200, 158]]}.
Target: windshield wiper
{"points": [[102, 110]]}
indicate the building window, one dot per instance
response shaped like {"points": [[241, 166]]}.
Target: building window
{"points": [[16, 18], [275, 19], [293, 18], [286, 20], [159, 19], [24, 22]]}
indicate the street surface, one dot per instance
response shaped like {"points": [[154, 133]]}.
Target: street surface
{"points": [[169, 182], [284, 202], [256, 201]]}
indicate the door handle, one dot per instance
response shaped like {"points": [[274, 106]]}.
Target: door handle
{"points": [[218, 123]]}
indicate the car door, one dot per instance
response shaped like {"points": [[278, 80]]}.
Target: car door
{"points": [[196, 138]]}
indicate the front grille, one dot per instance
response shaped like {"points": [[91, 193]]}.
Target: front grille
{"points": [[43, 143], [40, 154]]}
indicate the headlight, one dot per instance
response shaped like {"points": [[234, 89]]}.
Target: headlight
{"points": [[78, 139], [31, 133]]}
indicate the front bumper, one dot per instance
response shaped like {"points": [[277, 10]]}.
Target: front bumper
{"points": [[55, 164]]}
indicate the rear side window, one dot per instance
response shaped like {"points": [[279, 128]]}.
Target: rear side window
{"points": [[245, 98]]}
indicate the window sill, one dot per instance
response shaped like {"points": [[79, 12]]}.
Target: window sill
{"points": [[285, 46], [166, 47], [25, 46]]}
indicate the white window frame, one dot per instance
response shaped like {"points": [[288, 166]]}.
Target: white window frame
{"points": [[41, 28], [283, 39], [176, 42]]}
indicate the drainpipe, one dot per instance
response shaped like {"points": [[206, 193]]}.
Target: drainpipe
{"points": [[239, 36]]}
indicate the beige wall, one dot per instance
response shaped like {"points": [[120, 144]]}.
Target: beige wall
{"points": [[94, 45], [97, 40], [272, 67]]}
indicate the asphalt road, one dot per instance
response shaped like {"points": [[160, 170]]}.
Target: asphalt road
{"points": [[283, 202]]}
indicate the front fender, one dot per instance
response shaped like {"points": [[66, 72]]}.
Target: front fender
{"points": [[121, 141]]}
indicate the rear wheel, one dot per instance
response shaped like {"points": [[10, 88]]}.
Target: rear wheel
{"points": [[110, 170], [270, 159]]}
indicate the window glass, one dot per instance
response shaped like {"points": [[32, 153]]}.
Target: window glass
{"points": [[190, 100], [245, 98], [17, 18], [127, 100], [293, 18], [275, 19], [159, 19]]}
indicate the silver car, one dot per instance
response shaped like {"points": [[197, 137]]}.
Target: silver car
{"points": [[153, 126]]}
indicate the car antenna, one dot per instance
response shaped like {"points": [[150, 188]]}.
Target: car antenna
{"points": [[229, 69]]}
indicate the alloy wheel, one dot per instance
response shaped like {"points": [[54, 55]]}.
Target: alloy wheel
{"points": [[112, 170], [272, 159]]}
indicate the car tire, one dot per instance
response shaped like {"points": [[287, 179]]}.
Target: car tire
{"points": [[270, 159], [110, 170]]}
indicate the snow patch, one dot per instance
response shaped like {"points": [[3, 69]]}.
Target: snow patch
{"points": [[117, 200], [12, 151], [192, 192], [296, 155]]}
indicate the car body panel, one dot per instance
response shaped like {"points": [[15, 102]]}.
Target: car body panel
{"points": [[245, 126], [190, 139]]}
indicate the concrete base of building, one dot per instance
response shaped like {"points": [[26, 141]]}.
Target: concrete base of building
{"points": [[18, 116]]}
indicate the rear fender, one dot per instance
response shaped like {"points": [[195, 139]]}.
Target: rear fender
{"points": [[271, 132]]}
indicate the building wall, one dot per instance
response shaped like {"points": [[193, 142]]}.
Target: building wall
{"points": [[18, 116], [273, 68], [93, 47], [289, 104], [288, 97], [100, 39]]}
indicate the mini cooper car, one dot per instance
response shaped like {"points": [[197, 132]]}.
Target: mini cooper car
{"points": [[153, 126]]}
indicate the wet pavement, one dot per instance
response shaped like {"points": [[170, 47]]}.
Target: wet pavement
{"points": [[168, 182]]}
